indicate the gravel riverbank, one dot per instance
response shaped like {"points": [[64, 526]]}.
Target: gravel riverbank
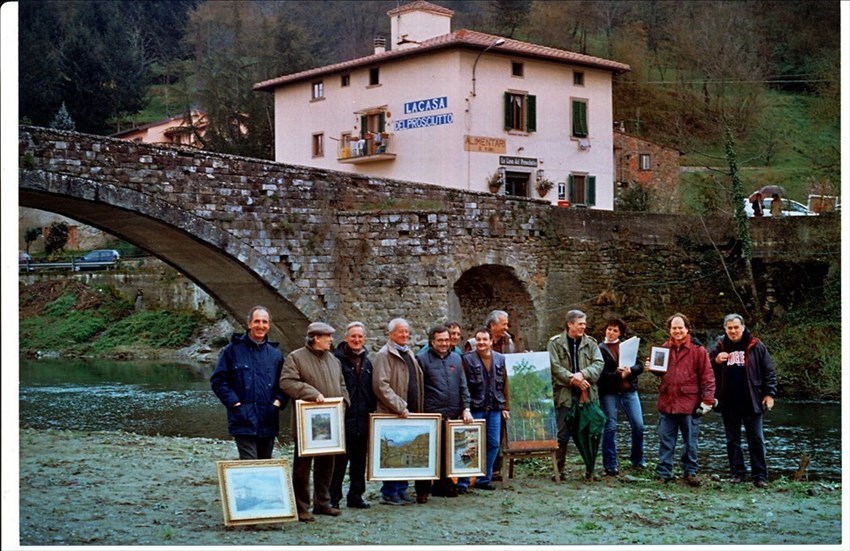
{"points": [[108, 488]]}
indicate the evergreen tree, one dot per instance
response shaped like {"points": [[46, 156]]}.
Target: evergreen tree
{"points": [[62, 120], [57, 237]]}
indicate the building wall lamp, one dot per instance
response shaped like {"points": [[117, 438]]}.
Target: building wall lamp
{"points": [[497, 42]]}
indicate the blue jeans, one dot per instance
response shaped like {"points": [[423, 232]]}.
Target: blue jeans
{"points": [[629, 402], [669, 426], [494, 435], [754, 428], [394, 487]]}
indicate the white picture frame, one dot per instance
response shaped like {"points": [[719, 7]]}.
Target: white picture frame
{"points": [[658, 359]]}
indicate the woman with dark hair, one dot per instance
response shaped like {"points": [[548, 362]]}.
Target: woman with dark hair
{"points": [[618, 390]]}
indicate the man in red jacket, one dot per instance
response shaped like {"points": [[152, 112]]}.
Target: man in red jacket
{"points": [[685, 394]]}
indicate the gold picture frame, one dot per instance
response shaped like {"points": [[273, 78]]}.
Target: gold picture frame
{"points": [[466, 448], [256, 491], [321, 427], [404, 448]]}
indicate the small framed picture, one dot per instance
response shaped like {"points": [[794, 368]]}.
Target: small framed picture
{"points": [[321, 427], [658, 358], [466, 448], [404, 448], [256, 491]]}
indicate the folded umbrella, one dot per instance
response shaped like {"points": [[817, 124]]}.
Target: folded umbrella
{"points": [[587, 421]]}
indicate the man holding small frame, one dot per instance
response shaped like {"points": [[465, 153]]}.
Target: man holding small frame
{"points": [[313, 373]]}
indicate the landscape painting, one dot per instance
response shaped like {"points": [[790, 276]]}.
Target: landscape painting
{"points": [[406, 448]]}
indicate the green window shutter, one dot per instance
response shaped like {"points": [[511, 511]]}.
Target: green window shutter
{"points": [[381, 121], [579, 119], [364, 122], [509, 116], [531, 113], [591, 191], [571, 190]]}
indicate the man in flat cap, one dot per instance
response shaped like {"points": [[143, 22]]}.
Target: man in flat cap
{"points": [[313, 373]]}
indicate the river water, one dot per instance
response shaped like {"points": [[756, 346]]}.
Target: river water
{"points": [[175, 400]]}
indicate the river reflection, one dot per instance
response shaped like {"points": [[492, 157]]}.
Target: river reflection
{"points": [[176, 400], [141, 397]]}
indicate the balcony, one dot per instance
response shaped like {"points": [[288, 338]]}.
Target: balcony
{"points": [[375, 148]]}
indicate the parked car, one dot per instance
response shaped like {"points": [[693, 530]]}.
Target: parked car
{"points": [[101, 259], [25, 262], [789, 208]]}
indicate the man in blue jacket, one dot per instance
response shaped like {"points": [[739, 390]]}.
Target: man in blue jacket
{"points": [[246, 381]]}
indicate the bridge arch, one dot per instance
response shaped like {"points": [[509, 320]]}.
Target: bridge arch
{"points": [[230, 270], [487, 287]]}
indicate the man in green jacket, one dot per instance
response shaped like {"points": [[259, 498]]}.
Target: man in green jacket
{"points": [[576, 364]]}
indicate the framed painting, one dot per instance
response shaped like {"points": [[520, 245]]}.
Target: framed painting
{"points": [[256, 491], [466, 447], [321, 427], [404, 448], [658, 358]]}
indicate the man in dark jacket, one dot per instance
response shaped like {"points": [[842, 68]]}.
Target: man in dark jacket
{"points": [[357, 371], [446, 393], [246, 381], [746, 387], [489, 397]]}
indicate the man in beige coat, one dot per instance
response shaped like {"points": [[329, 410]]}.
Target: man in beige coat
{"points": [[313, 373], [399, 388]]}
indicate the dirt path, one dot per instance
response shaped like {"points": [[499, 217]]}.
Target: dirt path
{"points": [[125, 489]]}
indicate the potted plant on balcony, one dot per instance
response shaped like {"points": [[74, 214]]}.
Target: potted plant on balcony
{"points": [[543, 186]]}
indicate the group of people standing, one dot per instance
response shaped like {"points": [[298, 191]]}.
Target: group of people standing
{"points": [[469, 381], [254, 381]]}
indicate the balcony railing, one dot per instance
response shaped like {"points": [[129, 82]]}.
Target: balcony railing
{"points": [[376, 148]]}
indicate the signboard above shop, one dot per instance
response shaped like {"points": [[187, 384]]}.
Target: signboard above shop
{"points": [[483, 144], [517, 161]]}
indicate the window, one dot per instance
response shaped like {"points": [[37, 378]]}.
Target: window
{"points": [[516, 184], [374, 76], [579, 118], [319, 145], [578, 78], [372, 138], [517, 69], [520, 112], [581, 190], [345, 80], [645, 161], [318, 90]]}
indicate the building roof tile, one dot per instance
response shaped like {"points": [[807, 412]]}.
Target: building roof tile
{"points": [[462, 38]]}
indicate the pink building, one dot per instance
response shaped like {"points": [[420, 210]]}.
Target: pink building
{"points": [[463, 109], [174, 130]]}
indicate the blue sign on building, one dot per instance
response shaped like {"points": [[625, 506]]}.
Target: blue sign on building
{"points": [[422, 105]]}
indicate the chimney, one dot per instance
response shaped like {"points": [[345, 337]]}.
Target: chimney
{"points": [[380, 45]]}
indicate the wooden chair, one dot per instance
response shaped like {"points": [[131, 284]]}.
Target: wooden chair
{"points": [[521, 449]]}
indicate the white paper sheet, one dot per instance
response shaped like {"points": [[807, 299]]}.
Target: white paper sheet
{"points": [[629, 352]]}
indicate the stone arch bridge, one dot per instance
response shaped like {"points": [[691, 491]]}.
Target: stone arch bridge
{"points": [[321, 245]]}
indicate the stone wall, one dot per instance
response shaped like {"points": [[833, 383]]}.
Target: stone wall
{"points": [[342, 247]]}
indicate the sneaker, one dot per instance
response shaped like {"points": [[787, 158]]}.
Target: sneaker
{"points": [[391, 500], [405, 499], [760, 483], [612, 472], [692, 480], [486, 486]]}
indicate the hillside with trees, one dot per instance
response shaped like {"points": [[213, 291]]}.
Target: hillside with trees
{"points": [[768, 70]]}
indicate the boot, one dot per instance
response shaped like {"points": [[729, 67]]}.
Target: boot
{"points": [[561, 457]]}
